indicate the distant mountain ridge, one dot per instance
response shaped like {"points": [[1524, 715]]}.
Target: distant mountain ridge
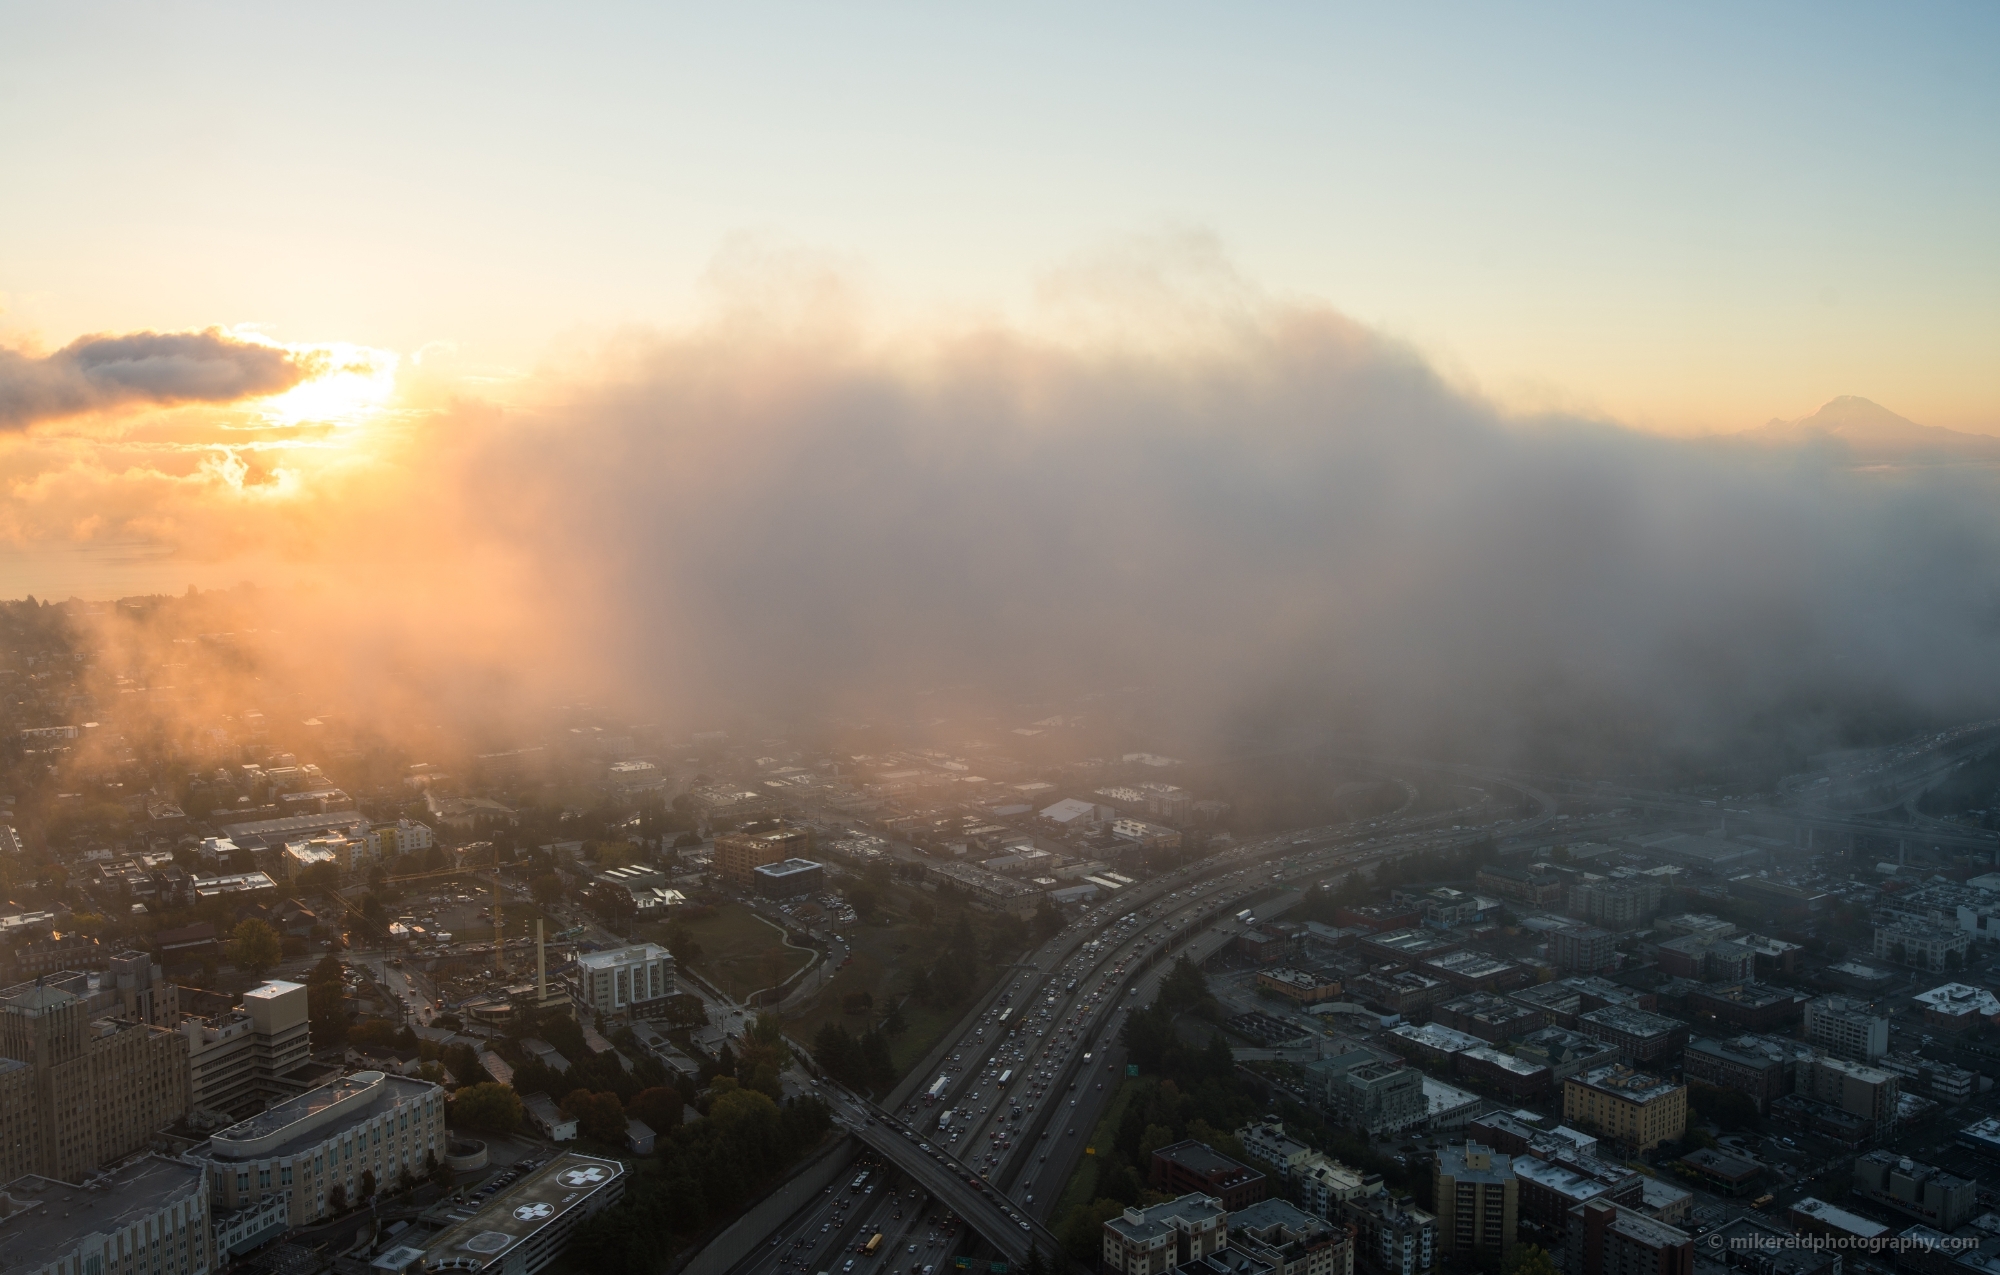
{"points": [[1873, 435]]}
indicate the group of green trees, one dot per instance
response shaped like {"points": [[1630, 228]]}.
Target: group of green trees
{"points": [[861, 1063], [702, 1172]]}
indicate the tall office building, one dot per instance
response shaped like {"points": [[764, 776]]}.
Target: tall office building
{"points": [[96, 1090], [1477, 1199], [1846, 1028]]}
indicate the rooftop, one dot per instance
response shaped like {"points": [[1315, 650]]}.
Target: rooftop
{"points": [[1506, 1062], [41, 1219], [1839, 1219], [787, 868], [1202, 1159], [1559, 1178], [1161, 1219], [1432, 1036], [316, 1115], [1960, 998], [623, 956], [1633, 1022], [1637, 1086], [515, 1215]]}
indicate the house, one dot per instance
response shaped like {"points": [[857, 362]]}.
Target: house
{"points": [[638, 1137], [548, 1119]]}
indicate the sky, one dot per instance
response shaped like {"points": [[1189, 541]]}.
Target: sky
{"points": [[1685, 218], [1359, 364]]}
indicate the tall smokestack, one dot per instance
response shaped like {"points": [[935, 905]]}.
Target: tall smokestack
{"points": [[499, 943], [541, 966]]}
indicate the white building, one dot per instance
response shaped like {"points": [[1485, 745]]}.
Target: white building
{"points": [[1846, 1028], [1924, 946], [241, 1059], [366, 1128], [615, 982], [405, 836]]}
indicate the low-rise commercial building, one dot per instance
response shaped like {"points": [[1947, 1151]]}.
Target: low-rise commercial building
{"points": [[1921, 1191], [1926, 947], [1297, 986], [1195, 1168], [1958, 1007], [1755, 1007], [788, 879], [1564, 1052], [1493, 1019]]}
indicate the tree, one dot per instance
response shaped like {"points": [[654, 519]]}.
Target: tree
{"points": [[493, 1107], [598, 1115], [1530, 1259], [367, 1183], [255, 946], [659, 1107], [547, 888], [337, 1197]]}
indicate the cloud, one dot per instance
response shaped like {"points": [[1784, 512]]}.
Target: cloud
{"points": [[98, 372], [1272, 518]]}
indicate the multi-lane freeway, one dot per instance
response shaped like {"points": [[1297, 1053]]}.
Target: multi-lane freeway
{"points": [[1024, 1075]]}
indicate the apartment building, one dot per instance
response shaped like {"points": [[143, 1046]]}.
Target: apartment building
{"points": [[624, 981], [1493, 1019], [1633, 1108], [1619, 904], [240, 1061], [1765, 1068], [1610, 1239], [1583, 949], [1868, 1092], [1381, 1097], [1153, 1240], [1640, 1037], [1391, 1236], [1477, 1200], [93, 1090], [329, 1146], [1846, 1028], [1289, 1240]]}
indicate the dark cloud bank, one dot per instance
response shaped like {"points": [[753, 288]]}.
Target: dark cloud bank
{"points": [[95, 373], [1302, 526]]}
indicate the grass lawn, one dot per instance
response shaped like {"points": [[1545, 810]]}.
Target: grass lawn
{"points": [[883, 955], [740, 952], [1082, 1185]]}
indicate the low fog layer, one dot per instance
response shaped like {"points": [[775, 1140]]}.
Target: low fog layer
{"points": [[1278, 520], [1301, 524]]}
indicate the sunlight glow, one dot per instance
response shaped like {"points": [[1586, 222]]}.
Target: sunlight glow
{"points": [[353, 386]]}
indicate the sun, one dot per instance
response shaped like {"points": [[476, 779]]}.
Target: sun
{"points": [[351, 385]]}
